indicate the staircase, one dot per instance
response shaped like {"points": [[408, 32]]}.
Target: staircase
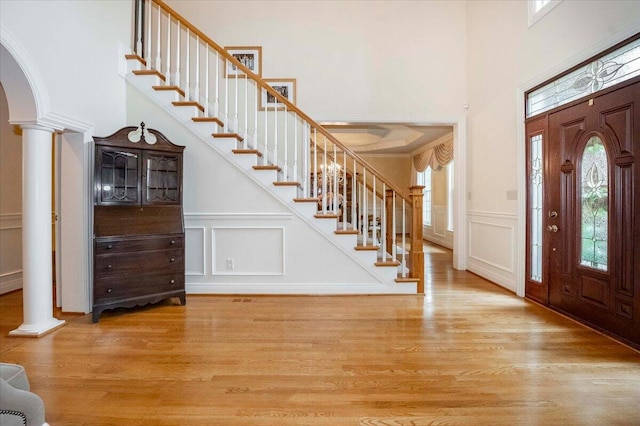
{"points": [[277, 146]]}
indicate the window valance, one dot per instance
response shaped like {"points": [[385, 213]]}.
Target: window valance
{"points": [[436, 157]]}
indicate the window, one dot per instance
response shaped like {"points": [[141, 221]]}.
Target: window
{"points": [[424, 178], [535, 207], [605, 71], [539, 8], [450, 196]]}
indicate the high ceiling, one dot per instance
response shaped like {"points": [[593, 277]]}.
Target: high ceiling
{"points": [[386, 138]]}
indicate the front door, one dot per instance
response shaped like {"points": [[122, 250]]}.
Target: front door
{"points": [[591, 211]]}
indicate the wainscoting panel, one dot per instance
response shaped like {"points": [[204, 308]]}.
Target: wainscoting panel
{"points": [[247, 250], [195, 255], [437, 233], [492, 247], [10, 252]]}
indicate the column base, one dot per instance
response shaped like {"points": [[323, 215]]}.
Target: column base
{"points": [[37, 330]]}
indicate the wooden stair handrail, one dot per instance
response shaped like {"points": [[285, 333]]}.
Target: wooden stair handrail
{"points": [[281, 99]]}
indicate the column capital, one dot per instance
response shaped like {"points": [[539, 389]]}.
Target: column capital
{"points": [[36, 126]]}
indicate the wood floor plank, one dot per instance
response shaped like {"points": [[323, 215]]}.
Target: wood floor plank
{"points": [[467, 352]]}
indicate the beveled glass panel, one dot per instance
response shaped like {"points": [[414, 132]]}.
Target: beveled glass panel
{"points": [[535, 207], [162, 184], [595, 205], [606, 71], [119, 176]]}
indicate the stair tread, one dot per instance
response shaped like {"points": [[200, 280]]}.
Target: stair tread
{"points": [[136, 57], [208, 120], [347, 232], [407, 280], [327, 216], [150, 72], [306, 200], [372, 248], [266, 167], [188, 103], [228, 135], [247, 151], [279, 183], [388, 263], [168, 88]]}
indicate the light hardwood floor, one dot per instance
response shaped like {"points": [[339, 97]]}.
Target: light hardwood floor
{"points": [[467, 352]]}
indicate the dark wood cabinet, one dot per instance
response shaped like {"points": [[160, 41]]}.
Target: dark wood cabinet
{"points": [[138, 253]]}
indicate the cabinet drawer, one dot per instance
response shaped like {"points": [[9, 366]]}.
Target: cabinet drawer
{"points": [[138, 244], [130, 286], [141, 262]]}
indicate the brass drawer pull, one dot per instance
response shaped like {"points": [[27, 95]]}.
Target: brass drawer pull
{"points": [[173, 259], [172, 282], [109, 266], [173, 242], [109, 246], [109, 290]]}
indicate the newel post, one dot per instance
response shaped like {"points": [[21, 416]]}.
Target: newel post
{"points": [[417, 251]]}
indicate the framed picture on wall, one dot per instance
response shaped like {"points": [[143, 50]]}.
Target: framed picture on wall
{"points": [[284, 86], [249, 56]]}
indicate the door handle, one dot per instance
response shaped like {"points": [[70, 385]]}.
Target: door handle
{"points": [[552, 228], [553, 214]]}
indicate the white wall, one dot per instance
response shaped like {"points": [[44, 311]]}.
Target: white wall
{"points": [[75, 47], [353, 60], [10, 201]]}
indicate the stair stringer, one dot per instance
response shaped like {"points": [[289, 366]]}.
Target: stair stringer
{"points": [[285, 195]]}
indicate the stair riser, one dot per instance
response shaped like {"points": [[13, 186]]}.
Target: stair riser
{"points": [[226, 145], [307, 209], [186, 113], [244, 161], [286, 192], [266, 177], [165, 97]]}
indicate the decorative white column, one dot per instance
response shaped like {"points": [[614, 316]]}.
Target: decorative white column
{"points": [[37, 275]]}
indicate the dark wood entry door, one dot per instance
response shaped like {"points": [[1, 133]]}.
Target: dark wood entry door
{"points": [[591, 227]]}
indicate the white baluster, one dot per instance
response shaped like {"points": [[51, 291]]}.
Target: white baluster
{"points": [[246, 108], [206, 82], [235, 107], [315, 162], [266, 128], [255, 119], [148, 41], [187, 67], [139, 20], [334, 189], [168, 58], [354, 191], [374, 222], [196, 89], [276, 142], [383, 222], [286, 146], [295, 147], [177, 76], [394, 249], [226, 102], [215, 104], [365, 212], [324, 177], [158, 44]]}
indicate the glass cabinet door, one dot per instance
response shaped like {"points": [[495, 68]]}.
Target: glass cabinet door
{"points": [[118, 177], [162, 178]]}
